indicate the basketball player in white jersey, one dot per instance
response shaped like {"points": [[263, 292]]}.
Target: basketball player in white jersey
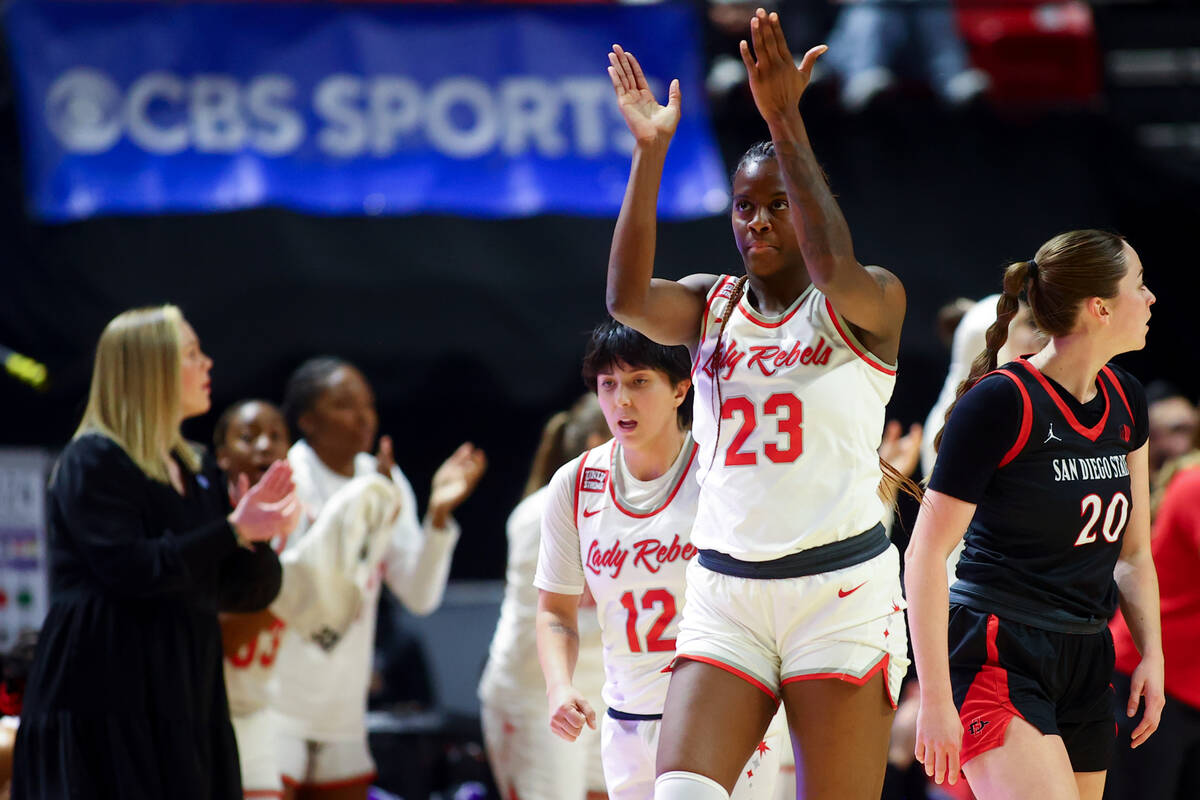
{"points": [[617, 520], [249, 437], [528, 761], [795, 593], [319, 696]]}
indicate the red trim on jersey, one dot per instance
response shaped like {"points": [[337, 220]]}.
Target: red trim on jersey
{"points": [[578, 484], [716, 291], [1026, 417], [750, 679], [881, 664], [613, 492], [987, 704], [251, 793], [799, 302], [1120, 392], [1092, 433], [850, 343], [342, 783]]}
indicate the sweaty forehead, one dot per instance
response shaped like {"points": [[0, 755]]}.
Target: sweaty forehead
{"points": [[758, 175], [259, 414]]}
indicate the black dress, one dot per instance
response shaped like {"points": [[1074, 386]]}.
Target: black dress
{"points": [[126, 696]]}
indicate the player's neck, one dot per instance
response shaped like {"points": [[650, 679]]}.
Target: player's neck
{"points": [[338, 461], [653, 460], [1073, 361], [774, 294]]}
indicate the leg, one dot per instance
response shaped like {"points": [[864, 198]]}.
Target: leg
{"points": [[840, 733], [1028, 764], [338, 771], [1090, 785], [712, 722]]}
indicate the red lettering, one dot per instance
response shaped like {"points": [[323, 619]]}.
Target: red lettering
{"points": [[761, 355]]}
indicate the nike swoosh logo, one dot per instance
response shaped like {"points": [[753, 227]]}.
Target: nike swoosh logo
{"points": [[590, 512], [848, 592]]}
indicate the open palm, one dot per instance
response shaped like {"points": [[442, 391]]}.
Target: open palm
{"points": [[647, 120]]}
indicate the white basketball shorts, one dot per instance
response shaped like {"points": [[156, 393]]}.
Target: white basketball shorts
{"points": [[530, 762], [846, 624], [324, 765]]}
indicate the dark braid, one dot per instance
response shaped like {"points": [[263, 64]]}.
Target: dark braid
{"points": [[759, 151], [739, 289], [1015, 279]]}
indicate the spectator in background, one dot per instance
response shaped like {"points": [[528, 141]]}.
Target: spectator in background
{"points": [[528, 761], [874, 41], [1174, 422], [1167, 766], [14, 670], [126, 696]]}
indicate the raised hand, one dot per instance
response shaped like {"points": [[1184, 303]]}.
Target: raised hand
{"points": [[775, 81], [647, 120], [267, 509], [454, 481], [902, 451], [385, 457]]}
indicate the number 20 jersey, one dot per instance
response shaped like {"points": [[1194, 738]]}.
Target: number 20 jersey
{"points": [[801, 418], [634, 561]]}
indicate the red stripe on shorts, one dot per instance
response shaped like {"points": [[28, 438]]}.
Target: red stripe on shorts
{"points": [[987, 709], [881, 664], [750, 679]]}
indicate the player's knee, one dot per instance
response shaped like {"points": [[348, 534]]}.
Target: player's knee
{"points": [[687, 786]]}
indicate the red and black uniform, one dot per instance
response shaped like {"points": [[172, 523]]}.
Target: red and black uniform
{"points": [[1035, 589]]}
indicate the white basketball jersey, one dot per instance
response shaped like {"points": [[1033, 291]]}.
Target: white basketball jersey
{"points": [[801, 417], [634, 561], [248, 672]]}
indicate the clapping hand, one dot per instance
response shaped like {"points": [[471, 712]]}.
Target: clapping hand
{"points": [[775, 81], [647, 120], [267, 509], [454, 482]]}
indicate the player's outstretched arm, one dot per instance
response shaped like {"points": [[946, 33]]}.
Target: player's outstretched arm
{"points": [[940, 525], [1137, 582], [668, 312], [558, 651], [872, 299]]}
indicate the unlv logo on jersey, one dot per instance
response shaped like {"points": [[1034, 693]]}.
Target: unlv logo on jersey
{"points": [[594, 480]]}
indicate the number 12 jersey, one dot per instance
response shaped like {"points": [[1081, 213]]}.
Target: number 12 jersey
{"points": [[629, 540]]}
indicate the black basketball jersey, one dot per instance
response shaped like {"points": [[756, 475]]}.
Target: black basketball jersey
{"points": [[1049, 526]]}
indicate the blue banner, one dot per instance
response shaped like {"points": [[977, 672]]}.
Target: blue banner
{"points": [[146, 108]]}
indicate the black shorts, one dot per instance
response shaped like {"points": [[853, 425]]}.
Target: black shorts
{"points": [[1057, 682]]}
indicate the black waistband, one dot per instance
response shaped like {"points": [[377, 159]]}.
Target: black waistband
{"points": [[991, 600], [813, 561], [621, 715]]}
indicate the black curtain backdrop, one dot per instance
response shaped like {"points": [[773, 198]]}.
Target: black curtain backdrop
{"points": [[473, 330]]}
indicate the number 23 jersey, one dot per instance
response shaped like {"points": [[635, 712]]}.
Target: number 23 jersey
{"points": [[629, 540], [801, 412]]}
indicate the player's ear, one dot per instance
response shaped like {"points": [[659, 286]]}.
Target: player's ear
{"points": [[681, 390]]}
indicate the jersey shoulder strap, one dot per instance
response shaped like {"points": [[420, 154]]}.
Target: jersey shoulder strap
{"points": [[1112, 377], [1026, 416]]}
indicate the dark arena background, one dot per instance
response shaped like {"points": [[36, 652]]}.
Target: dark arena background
{"points": [[472, 328]]}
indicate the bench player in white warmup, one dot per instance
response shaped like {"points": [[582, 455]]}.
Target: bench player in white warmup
{"points": [[618, 518], [795, 592]]}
